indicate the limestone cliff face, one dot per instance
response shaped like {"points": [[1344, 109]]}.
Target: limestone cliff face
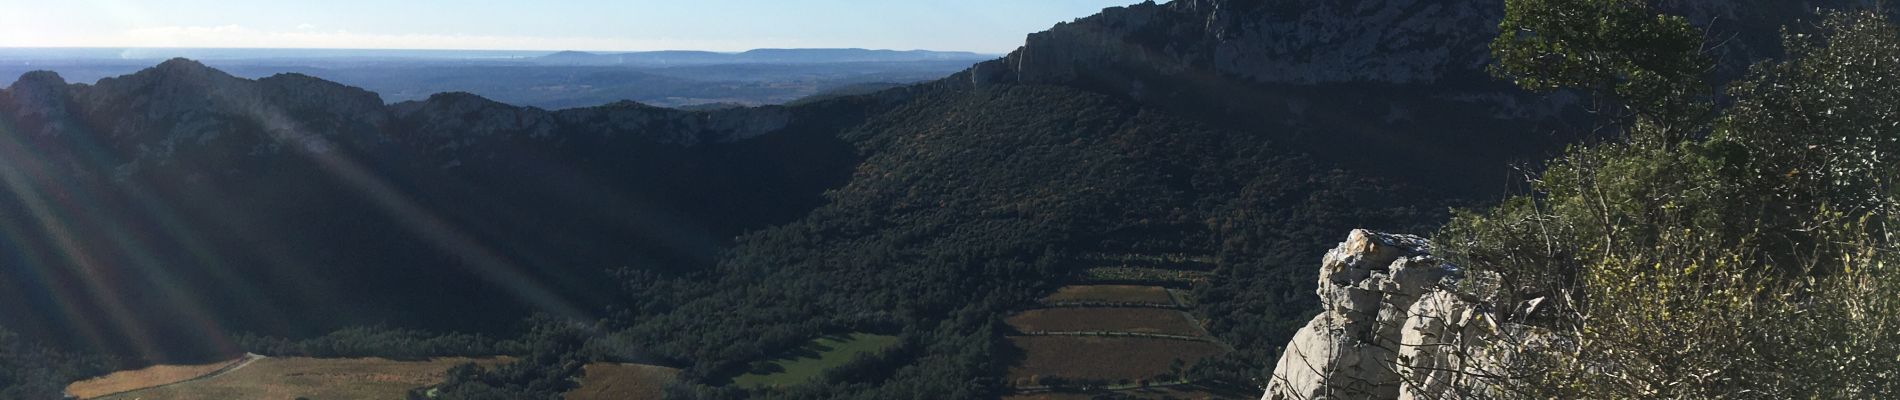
{"points": [[1390, 41], [1397, 323]]}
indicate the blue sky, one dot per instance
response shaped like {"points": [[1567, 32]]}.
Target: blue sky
{"points": [[990, 26]]}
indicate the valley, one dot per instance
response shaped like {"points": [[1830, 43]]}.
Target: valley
{"points": [[1129, 205]]}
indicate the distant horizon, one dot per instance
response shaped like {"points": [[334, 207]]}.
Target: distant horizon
{"points": [[151, 53], [976, 26], [12, 47]]}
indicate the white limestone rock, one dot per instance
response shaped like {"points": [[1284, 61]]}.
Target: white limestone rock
{"points": [[1397, 323]]}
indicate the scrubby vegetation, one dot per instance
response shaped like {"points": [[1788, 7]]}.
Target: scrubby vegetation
{"points": [[384, 342], [1747, 252], [31, 371], [557, 354]]}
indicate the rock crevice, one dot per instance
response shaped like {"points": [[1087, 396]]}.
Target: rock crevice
{"points": [[1399, 323]]}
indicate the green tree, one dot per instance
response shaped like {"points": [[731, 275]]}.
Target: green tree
{"points": [[1753, 262], [1641, 65]]}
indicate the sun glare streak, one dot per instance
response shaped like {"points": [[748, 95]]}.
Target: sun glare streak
{"points": [[444, 236], [91, 273], [132, 245], [193, 243], [36, 265]]}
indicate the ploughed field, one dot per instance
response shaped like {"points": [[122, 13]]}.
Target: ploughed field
{"points": [[1110, 294], [612, 381], [1116, 361], [1106, 319]]}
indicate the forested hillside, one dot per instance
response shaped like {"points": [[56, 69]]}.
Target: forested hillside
{"points": [[181, 213]]}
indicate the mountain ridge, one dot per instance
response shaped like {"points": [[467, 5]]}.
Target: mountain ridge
{"points": [[926, 210]]}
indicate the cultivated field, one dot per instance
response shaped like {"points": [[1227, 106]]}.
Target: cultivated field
{"points": [[143, 378], [812, 359], [609, 381], [1136, 320], [329, 379], [1109, 359], [1183, 392], [1111, 294], [1148, 275]]}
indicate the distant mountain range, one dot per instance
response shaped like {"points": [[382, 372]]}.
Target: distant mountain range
{"points": [[758, 56], [550, 81], [149, 55], [180, 201]]}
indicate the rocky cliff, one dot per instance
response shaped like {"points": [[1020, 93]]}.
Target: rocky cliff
{"points": [[1397, 323], [1402, 82]]}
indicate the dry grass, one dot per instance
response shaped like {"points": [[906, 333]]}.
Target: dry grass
{"points": [[1111, 294], [1102, 358], [607, 381], [329, 379], [143, 378], [1137, 320]]}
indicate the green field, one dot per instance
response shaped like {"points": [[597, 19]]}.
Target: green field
{"points": [[812, 359]]}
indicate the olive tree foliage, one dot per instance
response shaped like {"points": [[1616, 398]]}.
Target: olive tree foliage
{"points": [[1750, 255], [1642, 67]]}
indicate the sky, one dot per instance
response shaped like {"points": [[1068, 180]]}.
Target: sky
{"points": [[986, 26]]}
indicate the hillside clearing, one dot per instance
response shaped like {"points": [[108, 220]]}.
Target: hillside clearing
{"points": [[812, 359]]}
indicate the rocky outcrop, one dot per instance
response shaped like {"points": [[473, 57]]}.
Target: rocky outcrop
{"points": [[1397, 323], [1392, 41]]}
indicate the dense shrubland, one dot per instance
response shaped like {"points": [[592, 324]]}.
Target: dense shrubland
{"points": [[1746, 252], [32, 371]]}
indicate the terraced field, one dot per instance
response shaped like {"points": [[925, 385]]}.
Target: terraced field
{"points": [[1113, 294], [1118, 333], [1175, 392], [1108, 359], [1175, 277], [610, 381], [1129, 320]]}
